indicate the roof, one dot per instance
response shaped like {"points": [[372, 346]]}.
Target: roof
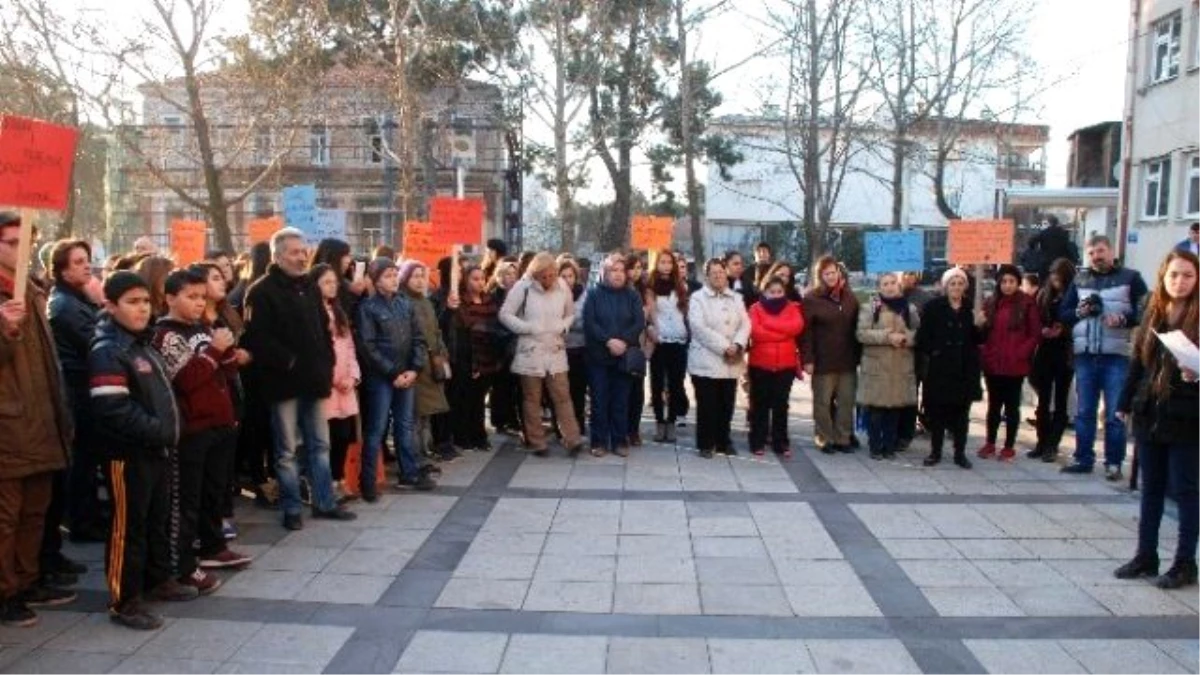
{"points": [[1062, 197], [1095, 128]]}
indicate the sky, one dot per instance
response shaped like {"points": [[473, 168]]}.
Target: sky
{"points": [[1079, 45]]}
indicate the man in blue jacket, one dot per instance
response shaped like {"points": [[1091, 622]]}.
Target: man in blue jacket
{"points": [[1102, 307]]}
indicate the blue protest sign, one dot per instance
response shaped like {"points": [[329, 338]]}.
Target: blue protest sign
{"points": [[300, 208], [331, 224], [895, 251]]}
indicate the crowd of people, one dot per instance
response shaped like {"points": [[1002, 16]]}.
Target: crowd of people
{"points": [[281, 371]]}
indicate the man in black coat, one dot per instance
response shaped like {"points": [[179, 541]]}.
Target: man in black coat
{"points": [[1052, 243], [287, 335]]}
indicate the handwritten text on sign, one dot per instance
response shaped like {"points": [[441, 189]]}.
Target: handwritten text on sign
{"points": [[974, 242], [35, 163], [188, 239], [457, 221], [331, 224], [650, 233], [420, 244], [895, 251], [300, 207]]}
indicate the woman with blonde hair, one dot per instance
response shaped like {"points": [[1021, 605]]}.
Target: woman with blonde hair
{"points": [[1162, 398], [830, 355]]}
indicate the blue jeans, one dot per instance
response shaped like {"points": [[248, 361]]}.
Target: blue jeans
{"points": [[610, 405], [296, 421], [1098, 374], [400, 404], [1168, 468]]}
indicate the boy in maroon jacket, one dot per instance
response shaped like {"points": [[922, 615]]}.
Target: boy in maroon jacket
{"points": [[201, 365]]}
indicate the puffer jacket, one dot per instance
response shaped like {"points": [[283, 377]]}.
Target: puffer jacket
{"points": [[430, 394], [1121, 291], [390, 339], [773, 337], [1174, 418], [132, 401], [888, 377], [717, 321], [1008, 351], [343, 404], [288, 336], [540, 328], [73, 321], [35, 423], [612, 314]]}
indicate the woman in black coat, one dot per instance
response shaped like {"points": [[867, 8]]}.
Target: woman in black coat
{"points": [[949, 339]]}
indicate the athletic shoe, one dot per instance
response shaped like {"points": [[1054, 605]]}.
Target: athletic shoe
{"points": [[45, 596], [334, 514], [988, 451], [203, 582], [1076, 468], [1008, 455], [1112, 474], [226, 558], [173, 591], [293, 521], [16, 614], [136, 616]]}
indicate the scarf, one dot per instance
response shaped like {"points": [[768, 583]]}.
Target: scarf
{"points": [[663, 285], [774, 305], [576, 291], [897, 305]]}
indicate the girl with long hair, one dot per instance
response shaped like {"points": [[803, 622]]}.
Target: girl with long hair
{"points": [[1161, 396], [666, 299], [341, 408], [260, 259], [1053, 367], [154, 270], [635, 278], [576, 342], [1013, 328], [476, 359]]}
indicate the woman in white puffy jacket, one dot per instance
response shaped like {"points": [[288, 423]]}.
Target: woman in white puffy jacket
{"points": [[720, 332]]}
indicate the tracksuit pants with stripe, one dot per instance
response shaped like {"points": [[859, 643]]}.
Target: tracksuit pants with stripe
{"points": [[138, 555]]}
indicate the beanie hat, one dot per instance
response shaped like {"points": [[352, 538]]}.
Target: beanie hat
{"points": [[406, 269], [952, 273], [377, 267], [121, 283], [1008, 270]]}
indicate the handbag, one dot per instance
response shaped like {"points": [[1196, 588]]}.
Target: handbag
{"points": [[633, 362], [440, 367]]}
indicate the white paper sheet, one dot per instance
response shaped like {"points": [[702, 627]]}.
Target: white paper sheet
{"points": [[1186, 353]]}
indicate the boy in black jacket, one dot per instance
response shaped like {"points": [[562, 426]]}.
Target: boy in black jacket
{"points": [[136, 416]]}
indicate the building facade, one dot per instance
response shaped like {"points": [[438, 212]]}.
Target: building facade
{"points": [[343, 138], [1162, 131], [762, 193]]}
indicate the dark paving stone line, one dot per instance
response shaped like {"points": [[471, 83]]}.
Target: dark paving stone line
{"points": [[943, 656], [805, 474]]}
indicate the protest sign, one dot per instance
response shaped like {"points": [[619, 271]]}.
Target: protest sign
{"points": [[421, 244], [895, 251], [300, 207], [188, 241], [651, 233], [35, 163], [456, 221], [261, 229], [330, 224], [974, 242]]}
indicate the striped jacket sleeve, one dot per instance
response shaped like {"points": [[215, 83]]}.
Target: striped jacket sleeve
{"points": [[116, 412]]}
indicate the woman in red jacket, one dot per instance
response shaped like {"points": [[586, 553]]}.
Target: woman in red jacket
{"points": [[775, 325], [1013, 328]]}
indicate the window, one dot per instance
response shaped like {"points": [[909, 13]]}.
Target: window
{"points": [[261, 206], [1167, 41], [174, 131], [373, 135], [1191, 194], [262, 146], [1158, 189], [318, 145]]}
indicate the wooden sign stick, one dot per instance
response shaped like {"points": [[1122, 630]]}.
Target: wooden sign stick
{"points": [[24, 246], [455, 272]]}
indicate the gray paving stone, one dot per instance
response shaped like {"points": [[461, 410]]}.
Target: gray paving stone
{"points": [[60, 661], [658, 545], [321, 535], [655, 569], [295, 558], [153, 665], [726, 599], [508, 543], [815, 572], [346, 589], [737, 571], [268, 668], [1121, 656], [1116, 549], [657, 599], [1021, 522], [657, 655], [587, 524], [1137, 601], [959, 521], [389, 539], [759, 656], [990, 549], [943, 573], [570, 596], [728, 547], [811, 547], [575, 568], [1066, 600], [483, 594], [962, 601], [887, 521], [1060, 549], [721, 526], [555, 654], [1091, 573], [558, 543], [1009, 573], [831, 600], [370, 562], [922, 549], [265, 584], [1185, 652], [49, 625], [199, 640], [1023, 656], [292, 644], [96, 634], [653, 517], [496, 566], [861, 656], [446, 652]]}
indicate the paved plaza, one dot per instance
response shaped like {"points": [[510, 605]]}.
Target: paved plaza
{"points": [[664, 563]]}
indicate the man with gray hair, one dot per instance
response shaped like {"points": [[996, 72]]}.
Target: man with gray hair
{"points": [[288, 338]]}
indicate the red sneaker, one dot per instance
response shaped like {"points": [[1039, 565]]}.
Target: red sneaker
{"points": [[203, 582], [988, 451], [1008, 455], [758, 452], [226, 558]]}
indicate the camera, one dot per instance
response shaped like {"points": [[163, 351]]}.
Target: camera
{"points": [[1091, 305]]}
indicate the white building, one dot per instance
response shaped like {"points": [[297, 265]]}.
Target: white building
{"points": [[1162, 131], [763, 193]]}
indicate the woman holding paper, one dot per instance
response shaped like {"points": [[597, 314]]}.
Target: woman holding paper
{"points": [[1162, 398]]}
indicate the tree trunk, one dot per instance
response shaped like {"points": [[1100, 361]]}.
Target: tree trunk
{"points": [[939, 185], [217, 213], [615, 236], [898, 157], [562, 174], [685, 129]]}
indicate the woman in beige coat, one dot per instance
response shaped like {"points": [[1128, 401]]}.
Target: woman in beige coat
{"points": [[539, 310], [887, 329]]}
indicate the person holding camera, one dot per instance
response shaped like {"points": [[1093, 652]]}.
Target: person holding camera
{"points": [[1101, 308]]}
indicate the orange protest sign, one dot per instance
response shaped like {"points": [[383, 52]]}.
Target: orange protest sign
{"points": [[974, 242], [188, 240], [456, 221], [261, 229], [35, 162], [651, 233], [420, 244]]}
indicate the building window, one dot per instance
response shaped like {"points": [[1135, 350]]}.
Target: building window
{"points": [[174, 131], [1158, 189], [1191, 204], [318, 145], [373, 149], [1167, 42], [262, 146]]}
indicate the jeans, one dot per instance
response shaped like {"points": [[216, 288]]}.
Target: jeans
{"points": [[1099, 374], [883, 428], [400, 404], [1053, 386], [610, 405], [1173, 468], [667, 369], [715, 399], [296, 421], [1004, 392], [769, 394]]}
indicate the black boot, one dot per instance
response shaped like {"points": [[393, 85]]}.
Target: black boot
{"points": [[960, 458], [934, 458], [1037, 453], [1182, 573], [1142, 565]]}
